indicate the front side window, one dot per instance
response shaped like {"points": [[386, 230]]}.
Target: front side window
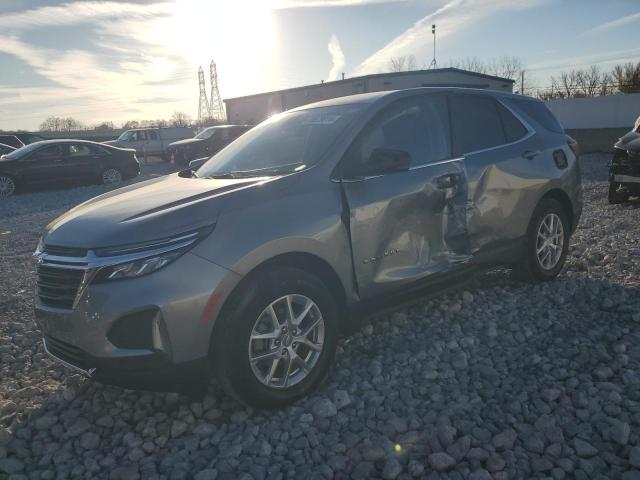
{"points": [[141, 136], [153, 135], [128, 136], [475, 122], [285, 143], [206, 133], [52, 151], [418, 126], [76, 150]]}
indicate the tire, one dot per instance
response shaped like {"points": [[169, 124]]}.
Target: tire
{"points": [[7, 186], [110, 176], [258, 384], [531, 267], [615, 197]]}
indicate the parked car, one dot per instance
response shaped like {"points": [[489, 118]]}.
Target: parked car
{"points": [[11, 140], [207, 143], [53, 162], [26, 138], [251, 266], [624, 170], [151, 141], [4, 149]]}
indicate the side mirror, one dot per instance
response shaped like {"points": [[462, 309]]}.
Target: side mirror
{"points": [[197, 163], [385, 160]]}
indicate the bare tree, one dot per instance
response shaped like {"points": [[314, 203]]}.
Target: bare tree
{"points": [[471, 64], [505, 66], [180, 119], [627, 77], [403, 63], [60, 124]]}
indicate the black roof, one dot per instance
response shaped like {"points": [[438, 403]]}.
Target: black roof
{"points": [[383, 75]]}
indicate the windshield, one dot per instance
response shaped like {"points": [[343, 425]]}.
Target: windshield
{"points": [[128, 136], [285, 143], [206, 133], [21, 152]]}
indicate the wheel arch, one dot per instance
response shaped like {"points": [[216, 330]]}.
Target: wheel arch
{"points": [[561, 197], [302, 260]]}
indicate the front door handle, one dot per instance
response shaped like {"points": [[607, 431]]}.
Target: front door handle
{"points": [[530, 154], [448, 180]]}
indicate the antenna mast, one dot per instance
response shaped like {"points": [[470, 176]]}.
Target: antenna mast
{"points": [[433, 62]]}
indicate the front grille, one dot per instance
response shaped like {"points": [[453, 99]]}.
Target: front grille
{"points": [[67, 352], [58, 287], [65, 251]]}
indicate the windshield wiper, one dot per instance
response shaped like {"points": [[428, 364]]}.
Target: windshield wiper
{"points": [[260, 172]]}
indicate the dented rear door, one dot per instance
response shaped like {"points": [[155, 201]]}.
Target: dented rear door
{"points": [[407, 225]]}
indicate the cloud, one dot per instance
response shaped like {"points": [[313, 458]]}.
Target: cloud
{"points": [[328, 3], [337, 57], [619, 22], [450, 17]]}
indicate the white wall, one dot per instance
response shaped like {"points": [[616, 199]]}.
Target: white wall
{"points": [[612, 111]]}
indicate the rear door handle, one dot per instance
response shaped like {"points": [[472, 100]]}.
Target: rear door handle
{"points": [[530, 154], [447, 181]]}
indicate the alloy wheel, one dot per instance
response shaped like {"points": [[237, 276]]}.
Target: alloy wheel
{"points": [[7, 186], [286, 341], [110, 176], [549, 241]]}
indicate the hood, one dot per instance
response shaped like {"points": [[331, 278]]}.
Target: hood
{"points": [[146, 211], [629, 142], [187, 141]]}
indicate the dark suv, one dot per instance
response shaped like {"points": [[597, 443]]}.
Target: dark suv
{"points": [[251, 266], [207, 143]]}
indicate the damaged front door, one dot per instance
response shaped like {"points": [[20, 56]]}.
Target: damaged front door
{"points": [[407, 220]]}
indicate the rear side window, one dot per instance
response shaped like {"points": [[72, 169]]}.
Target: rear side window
{"points": [[476, 123], [513, 129], [539, 112]]}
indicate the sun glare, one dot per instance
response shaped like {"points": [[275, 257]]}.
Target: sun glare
{"points": [[238, 35]]}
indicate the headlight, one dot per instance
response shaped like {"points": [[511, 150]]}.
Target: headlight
{"points": [[136, 260]]}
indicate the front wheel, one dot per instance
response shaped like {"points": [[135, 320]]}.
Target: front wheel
{"points": [[277, 341], [546, 244], [7, 186], [111, 176], [615, 197]]}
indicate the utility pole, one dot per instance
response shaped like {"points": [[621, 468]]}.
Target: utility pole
{"points": [[342, 75], [522, 82], [434, 64]]}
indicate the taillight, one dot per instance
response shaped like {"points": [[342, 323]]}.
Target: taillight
{"points": [[573, 145]]}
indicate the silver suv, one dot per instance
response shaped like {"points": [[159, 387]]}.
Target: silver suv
{"points": [[252, 266]]}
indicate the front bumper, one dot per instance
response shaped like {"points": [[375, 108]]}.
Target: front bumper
{"points": [[172, 300], [625, 171]]}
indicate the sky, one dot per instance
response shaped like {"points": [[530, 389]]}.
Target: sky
{"points": [[138, 59]]}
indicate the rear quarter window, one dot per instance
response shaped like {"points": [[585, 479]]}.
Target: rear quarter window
{"points": [[513, 128], [539, 112]]}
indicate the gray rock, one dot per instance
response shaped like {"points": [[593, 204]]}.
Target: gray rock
{"points": [[584, 449], [11, 465], [80, 426], [415, 468], [459, 448], [324, 408], [391, 469], [634, 457], [178, 428], [481, 474], [89, 441], [206, 474], [619, 432], [341, 399], [505, 439], [441, 462]]}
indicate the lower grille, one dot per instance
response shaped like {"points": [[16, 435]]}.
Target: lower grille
{"points": [[67, 352], [58, 287]]}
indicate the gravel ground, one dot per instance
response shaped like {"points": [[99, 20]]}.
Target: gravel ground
{"points": [[503, 380]]}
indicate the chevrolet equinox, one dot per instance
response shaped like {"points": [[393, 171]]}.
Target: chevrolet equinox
{"points": [[249, 267]]}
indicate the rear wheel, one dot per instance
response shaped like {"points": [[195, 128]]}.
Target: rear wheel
{"points": [[615, 197], [7, 186], [278, 341], [547, 243], [111, 176]]}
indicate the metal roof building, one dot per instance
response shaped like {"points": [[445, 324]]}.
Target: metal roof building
{"points": [[253, 109]]}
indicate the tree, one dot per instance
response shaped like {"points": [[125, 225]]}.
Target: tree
{"points": [[505, 66], [470, 64], [130, 124], [104, 126], [403, 63], [180, 119], [627, 77], [60, 124]]}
